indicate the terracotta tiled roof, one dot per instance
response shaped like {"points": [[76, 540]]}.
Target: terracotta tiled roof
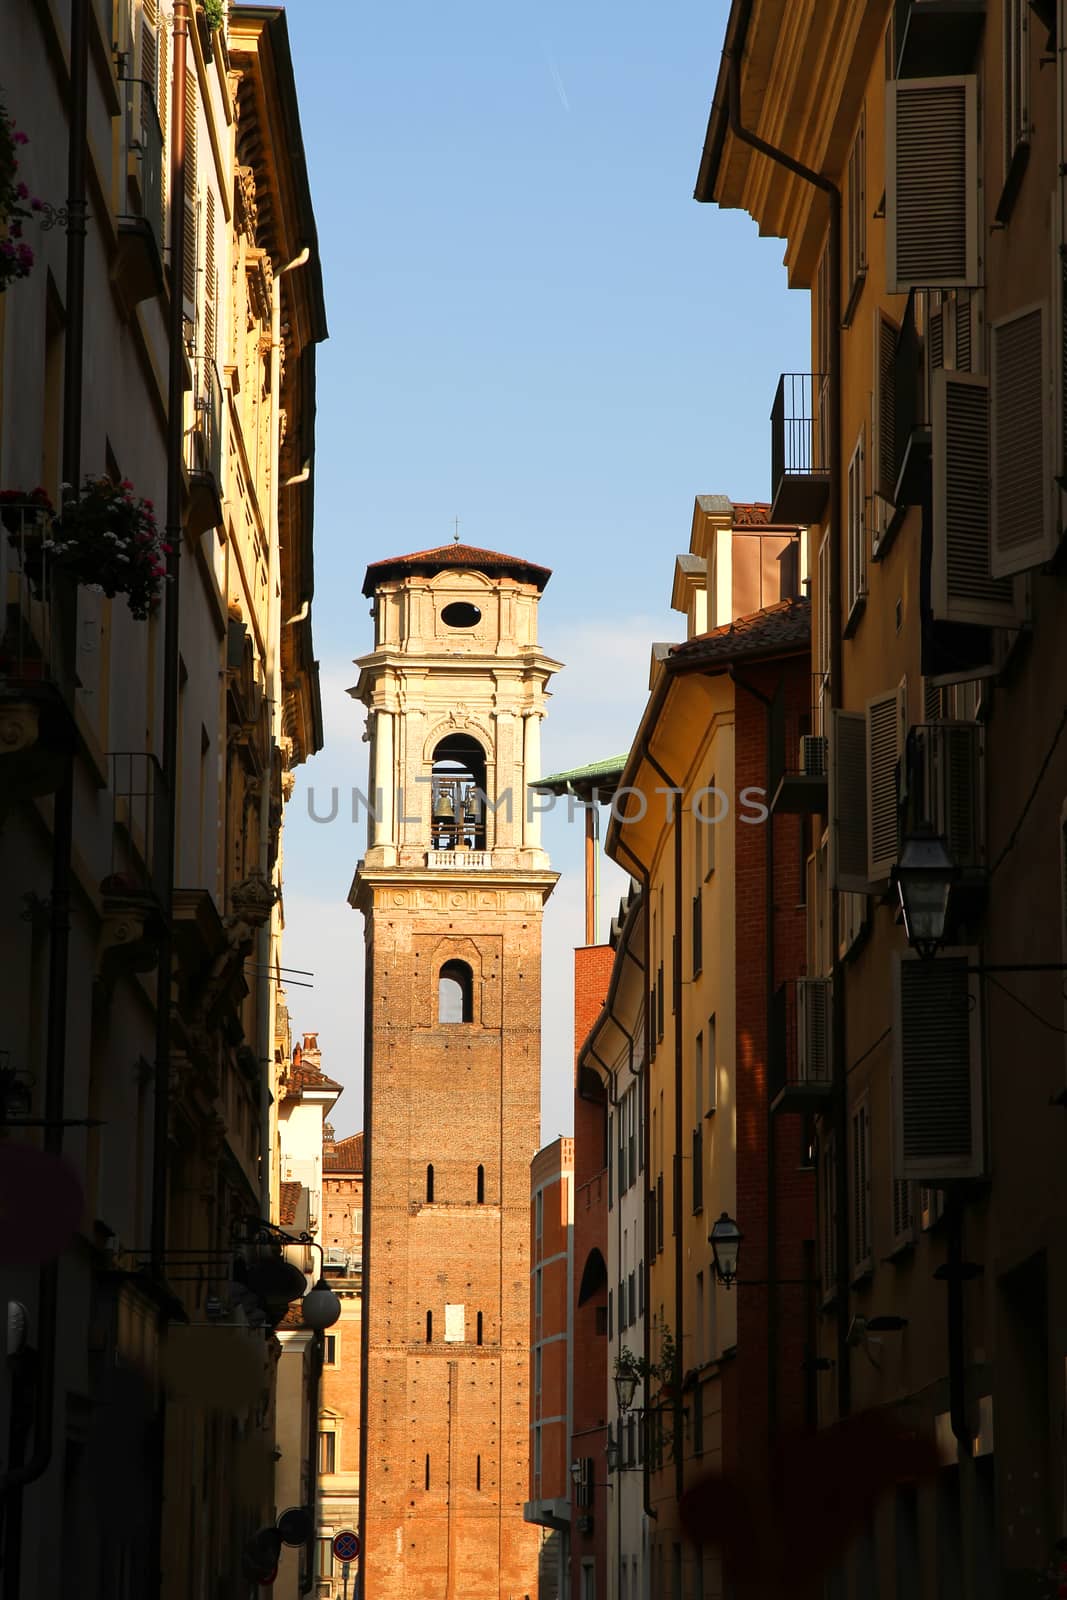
{"points": [[444, 556], [288, 1199], [302, 1075], [781, 629], [346, 1155]]}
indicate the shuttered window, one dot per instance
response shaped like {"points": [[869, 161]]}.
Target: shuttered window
{"points": [[163, 104], [1016, 79], [857, 532], [1023, 528], [856, 266], [962, 585], [937, 1082], [903, 1212], [931, 183], [885, 743], [824, 605], [883, 440], [859, 1183], [191, 209], [211, 283], [848, 801]]}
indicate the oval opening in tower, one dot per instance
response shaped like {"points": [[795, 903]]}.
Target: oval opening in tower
{"points": [[461, 614]]}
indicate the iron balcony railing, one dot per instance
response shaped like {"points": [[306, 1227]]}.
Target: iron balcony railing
{"points": [[144, 143], [28, 637], [203, 441], [799, 751], [800, 466], [139, 855], [799, 1057]]}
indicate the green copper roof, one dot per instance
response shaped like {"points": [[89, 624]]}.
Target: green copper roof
{"points": [[600, 775]]}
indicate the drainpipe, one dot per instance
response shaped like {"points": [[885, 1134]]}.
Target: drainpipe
{"points": [[641, 873], [773, 1314], [318, 1352], [65, 602], [840, 1112], [679, 1127]]}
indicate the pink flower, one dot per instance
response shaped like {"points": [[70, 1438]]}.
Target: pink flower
{"points": [[20, 138], [149, 505], [22, 191], [36, 205], [166, 549]]}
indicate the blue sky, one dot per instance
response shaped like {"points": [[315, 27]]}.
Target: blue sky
{"points": [[535, 328]]}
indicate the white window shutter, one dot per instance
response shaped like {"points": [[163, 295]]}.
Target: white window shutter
{"points": [[884, 748], [883, 431], [848, 801], [931, 183], [937, 1069], [1023, 529], [962, 585], [192, 216]]}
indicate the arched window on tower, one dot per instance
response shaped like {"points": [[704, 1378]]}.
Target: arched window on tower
{"points": [[480, 1329], [455, 993], [429, 1185], [481, 1186], [429, 1327], [457, 794]]}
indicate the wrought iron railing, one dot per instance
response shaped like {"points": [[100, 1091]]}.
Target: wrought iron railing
{"points": [[799, 424], [144, 142], [798, 735], [139, 857], [203, 441], [29, 641], [799, 1037]]}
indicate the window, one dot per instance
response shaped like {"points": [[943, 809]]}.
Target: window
{"points": [[481, 1186], [429, 1327], [480, 1325], [330, 1357], [857, 537], [699, 1352], [1016, 83], [477, 1472], [538, 1367], [698, 1073], [427, 1472], [860, 1187], [429, 1184], [455, 1324], [455, 993], [539, 1213], [828, 1217], [823, 659], [588, 1581], [537, 1292], [325, 1557], [537, 1451], [327, 1452], [698, 1167], [711, 1074], [857, 217]]}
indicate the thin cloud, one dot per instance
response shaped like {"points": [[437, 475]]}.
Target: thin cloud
{"points": [[558, 81]]}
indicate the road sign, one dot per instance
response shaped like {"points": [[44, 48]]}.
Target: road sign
{"points": [[345, 1545]]}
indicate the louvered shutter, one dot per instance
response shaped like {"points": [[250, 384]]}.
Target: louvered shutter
{"points": [[163, 103], [857, 542], [848, 801], [937, 1079], [883, 751], [931, 183], [954, 790], [903, 1212], [883, 452], [190, 199], [966, 310], [860, 1187], [932, 701], [935, 338], [1023, 527], [962, 585], [210, 277], [813, 1030]]}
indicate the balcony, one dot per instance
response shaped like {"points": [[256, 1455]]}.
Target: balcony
{"points": [[134, 892], [459, 860], [799, 754], [934, 38], [799, 1058], [800, 473], [139, 262], [203, 449]]}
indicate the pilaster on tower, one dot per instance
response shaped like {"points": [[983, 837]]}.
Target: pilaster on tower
{"points": [[452, 888]]}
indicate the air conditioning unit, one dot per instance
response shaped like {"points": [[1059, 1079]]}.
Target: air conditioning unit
{"points": [[813, 1030], [814, 761]]}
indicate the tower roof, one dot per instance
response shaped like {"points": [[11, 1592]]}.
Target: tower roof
{"points": [[446, 556]]}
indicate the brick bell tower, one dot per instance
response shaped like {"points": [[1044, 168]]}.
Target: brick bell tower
{"points": [[452, 890]]}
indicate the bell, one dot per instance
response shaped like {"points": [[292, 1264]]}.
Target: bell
{"points": [[470, 806], [445, 810]]}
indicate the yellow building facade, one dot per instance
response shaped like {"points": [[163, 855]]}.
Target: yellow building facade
{"points": [[912, 158], [166, 354]]}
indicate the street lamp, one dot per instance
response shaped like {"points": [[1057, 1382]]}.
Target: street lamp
{"points": [[625, 1389], [924, 876], [320, 1307], [725, 1240]]}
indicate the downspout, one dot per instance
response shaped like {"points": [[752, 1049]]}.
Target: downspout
{"points": [[679, 1125], [169, 754], [773, 1312], [641, 873], [318, 1353], [65, 602], [840, 1113]]}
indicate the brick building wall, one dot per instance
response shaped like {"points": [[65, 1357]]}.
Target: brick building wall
{"points": [[589, 1311], [448, 1254], [763, 1312]]}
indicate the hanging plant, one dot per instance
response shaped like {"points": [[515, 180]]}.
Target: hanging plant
{"points": [[105, 538], [16, 203], [214, 14]]}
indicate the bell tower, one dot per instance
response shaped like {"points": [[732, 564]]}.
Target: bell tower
{"points": [[452, 889]]}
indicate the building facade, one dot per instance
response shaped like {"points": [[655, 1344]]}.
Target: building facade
{"points": [[923, 208], [339, 1418], [551, 1358], [452, 888], [150, 737]]}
